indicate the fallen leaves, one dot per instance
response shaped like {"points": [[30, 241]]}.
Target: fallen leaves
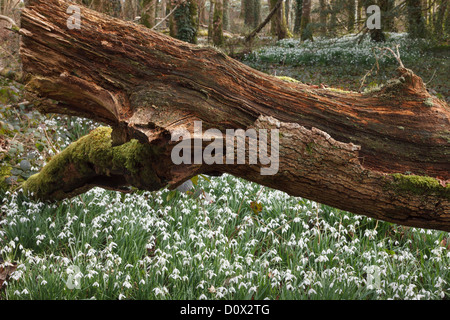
{"points": [[6, 269]]}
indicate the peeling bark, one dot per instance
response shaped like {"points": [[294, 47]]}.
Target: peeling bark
{"points": [[384, 154]]}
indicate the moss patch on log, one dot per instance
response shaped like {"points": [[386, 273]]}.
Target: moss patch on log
{"points": [[420, 185], [90, 157], [288, 79]]}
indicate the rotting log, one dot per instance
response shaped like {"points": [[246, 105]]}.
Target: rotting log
{"points": [[383, 154]]}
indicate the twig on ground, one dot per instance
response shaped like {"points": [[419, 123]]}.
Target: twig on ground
{"points": [[13, 27]]}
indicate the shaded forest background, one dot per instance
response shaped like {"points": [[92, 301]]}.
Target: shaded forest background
{"points": [[221, 21]]}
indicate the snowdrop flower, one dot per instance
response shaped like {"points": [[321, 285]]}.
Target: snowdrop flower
{"points": [[311, 291], [161, 291]]}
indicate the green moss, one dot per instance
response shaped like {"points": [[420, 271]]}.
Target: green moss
{"points": [[90, 156], [288, 79], [338, 90], [428, 102], [310, 147], [5, 172], [421, 185], [186, 20], [391, 89]]}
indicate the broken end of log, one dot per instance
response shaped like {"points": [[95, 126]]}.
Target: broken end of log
{"points": [[94, 161]]}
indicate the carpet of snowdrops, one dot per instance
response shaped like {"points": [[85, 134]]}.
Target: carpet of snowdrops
{"points": [[344, 62], [344, 50], [244, 242]]}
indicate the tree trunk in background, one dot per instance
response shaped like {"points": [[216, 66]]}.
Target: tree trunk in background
{"points": [[163, 13], [387, 15], [130, 9], [306, 32], [268, 18], [184, 22], [210, 19], [148, 15], [257, 11], [447, 22], [287, 11], [273, 23], [415, 20], [280, 22], [226, 15], [425, 11], [217, 23], [351, 20], [202, 15], [439, 20], [334, 9], [252, 13], [359, 14], [298, 15], [383, 154], [323, 16]]}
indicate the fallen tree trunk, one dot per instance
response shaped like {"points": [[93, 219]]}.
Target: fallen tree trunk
{"points": [[383, 154]]}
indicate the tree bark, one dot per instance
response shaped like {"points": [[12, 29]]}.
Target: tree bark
{"points": [[323, 17], [415, 20], [148, 14], [183, 23], [217, 24], [226, 15], [252, 13], [298, 15], [383, 154], [438, 25], [279, 26], [305, 26], [351, 8]]}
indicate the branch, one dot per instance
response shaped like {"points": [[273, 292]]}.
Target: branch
{"points": [[13, 26], [395, 54], [252, 34], [166, 17]]}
